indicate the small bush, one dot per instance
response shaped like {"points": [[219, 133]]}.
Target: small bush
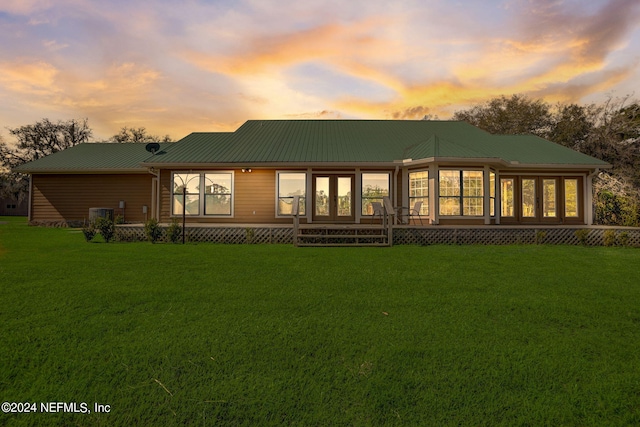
{"points": [[623, 239], [250, 234], [582, 236], [610, 238], [153, 230], [540, 236], [107, 228], [119, 219], [89, 231], [174, 231]]}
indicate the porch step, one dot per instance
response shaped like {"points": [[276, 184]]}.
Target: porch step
{"points": [[341, 236]]}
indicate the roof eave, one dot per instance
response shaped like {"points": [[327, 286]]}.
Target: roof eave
{"points": [[106, 171]]}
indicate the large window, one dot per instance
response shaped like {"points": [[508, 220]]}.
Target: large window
{"points": [[507, 197], [571, 198], [191, 183], [461, 193], [291, 184], [375, 186], [419, 190], [207, 193], [549, 198], [529, 197], [217, 193]]}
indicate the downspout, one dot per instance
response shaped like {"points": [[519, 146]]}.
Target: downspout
{"points": [[589, 201], [395, 186], [30, 196], [157, 189]]}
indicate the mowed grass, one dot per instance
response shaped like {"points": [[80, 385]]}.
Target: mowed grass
{"points": [[208, 335]]}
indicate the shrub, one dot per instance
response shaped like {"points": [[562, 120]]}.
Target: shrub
{"points": [[174, 231], [153, 230], [119, 219], [250, 234], [540, 236], [610, 238], [582, 236], [89, 231], [623, 239], [107, 228]]}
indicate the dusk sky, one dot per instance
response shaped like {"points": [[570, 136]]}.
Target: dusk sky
{"points": [[176, 67]]}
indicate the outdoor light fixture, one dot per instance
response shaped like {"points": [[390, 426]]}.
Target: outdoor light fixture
{"points": [[246, 170]]}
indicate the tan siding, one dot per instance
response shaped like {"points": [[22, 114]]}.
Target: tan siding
{"points": [[69, 197], [253, 192]]}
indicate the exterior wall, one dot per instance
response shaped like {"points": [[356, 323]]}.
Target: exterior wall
{"points": [[10, 207], [68, 198], [255, 196], [254, 199]]}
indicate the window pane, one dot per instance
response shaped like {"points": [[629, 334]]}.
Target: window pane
{"points": [[571, 198], [419, 190], [189, 180], [289, 186], [217, 204], [322, 196], [344, 196], [449, 183], [375, 186], [529, 198], [549, 198], [473, 206], [192, 207], [285, 205], [217, 183], [472, 183], [217, 193], [449, 206], [507, 197]]}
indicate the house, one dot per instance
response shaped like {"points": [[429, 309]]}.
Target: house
{"points": [[338, 168]]}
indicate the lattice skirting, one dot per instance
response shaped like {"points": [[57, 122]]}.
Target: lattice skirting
{"points": [[228, 235], [410, 236], [507, 236]]}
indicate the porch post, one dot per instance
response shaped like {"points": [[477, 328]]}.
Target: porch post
{"points": [[498, 197], [358, 196], [434, 190], [588, 200], [486, 198], [309, 198]]}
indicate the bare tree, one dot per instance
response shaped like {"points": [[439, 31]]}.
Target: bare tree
{"points": [[127, 135], [33, 142]]}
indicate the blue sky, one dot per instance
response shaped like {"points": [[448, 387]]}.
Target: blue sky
{"points": [[180, 66]]}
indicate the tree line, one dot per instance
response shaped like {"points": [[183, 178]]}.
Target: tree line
{"points": [[609, 131]]}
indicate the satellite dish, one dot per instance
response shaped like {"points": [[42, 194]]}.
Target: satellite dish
{"points": [[152, 147]]}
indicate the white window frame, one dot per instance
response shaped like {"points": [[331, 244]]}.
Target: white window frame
{"points": [[461, 197], [201, 193], [361, 189], [277, 198]]}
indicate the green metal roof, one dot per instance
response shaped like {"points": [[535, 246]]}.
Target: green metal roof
{"points": [[93, 157], [363, 141], [309, 142]]}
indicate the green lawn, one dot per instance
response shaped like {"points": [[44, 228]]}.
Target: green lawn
{"points": [[210, 335]]}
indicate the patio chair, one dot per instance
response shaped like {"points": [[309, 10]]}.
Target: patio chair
{"points": [[377, 211], [415, 211]]}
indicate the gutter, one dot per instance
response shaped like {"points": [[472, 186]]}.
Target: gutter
{"points": [[156, 179]]}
